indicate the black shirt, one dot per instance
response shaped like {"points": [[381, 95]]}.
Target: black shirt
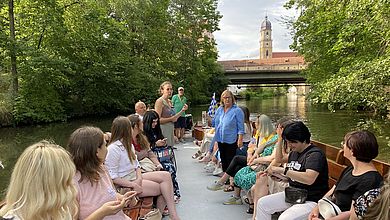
{"points": [[314, 159], [350, 187]]}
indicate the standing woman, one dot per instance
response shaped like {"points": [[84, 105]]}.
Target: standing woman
{"points": [[123, 167], [41, 185], [229, 128], [96, 196], [163, 107]]}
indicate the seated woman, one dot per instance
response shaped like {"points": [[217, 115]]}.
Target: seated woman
{"points": [[41, 185], [124, 170], [96, 195], [264, 133], [307, 170], [157, 141], [360, 147], [374, 204], [145, 155], [266, 184]]}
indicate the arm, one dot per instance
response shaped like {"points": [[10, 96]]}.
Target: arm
{"points": [[279, 157], [315, 212], [266, 159], [240, 127], [308, 177], [158, 108], [108, 208]]}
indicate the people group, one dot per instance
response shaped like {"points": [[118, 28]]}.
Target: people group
{"points": [[283, 174], [273, 167]]}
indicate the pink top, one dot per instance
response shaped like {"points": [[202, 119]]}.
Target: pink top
{"points": [[91, 197]]}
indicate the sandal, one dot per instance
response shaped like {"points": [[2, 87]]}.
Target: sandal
{"points": [[230, 188], [165, 212], [196, 155], [176, 199], [250, 209], [246, 200]]}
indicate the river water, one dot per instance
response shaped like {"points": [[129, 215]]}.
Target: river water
{"points": [[325, 126]]}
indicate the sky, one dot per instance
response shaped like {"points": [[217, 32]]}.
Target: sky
{"points": [[239, 34]]}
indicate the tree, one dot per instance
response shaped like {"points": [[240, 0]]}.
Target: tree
{"points": [[346, 44]]}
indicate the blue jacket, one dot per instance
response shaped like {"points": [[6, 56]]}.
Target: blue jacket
{"points": [[228, 125]]}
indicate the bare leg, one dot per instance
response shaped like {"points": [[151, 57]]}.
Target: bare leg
{"points": [[164, 187], [260, 190]]}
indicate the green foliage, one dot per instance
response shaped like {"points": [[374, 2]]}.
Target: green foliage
{"points": [[87, 57], [346, 44], [263, 92]]}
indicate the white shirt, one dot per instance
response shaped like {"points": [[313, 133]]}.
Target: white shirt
{"points": [[118, 162]]}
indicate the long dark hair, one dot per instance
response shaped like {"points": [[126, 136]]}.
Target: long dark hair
{"points": [[153, 134]]}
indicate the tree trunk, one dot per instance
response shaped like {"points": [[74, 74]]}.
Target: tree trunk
{"points": [[14, 73]]}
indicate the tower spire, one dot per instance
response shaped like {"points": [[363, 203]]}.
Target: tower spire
{"points": [[266, 39]]}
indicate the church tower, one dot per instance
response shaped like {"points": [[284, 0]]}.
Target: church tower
{"points": [[266, 39]]}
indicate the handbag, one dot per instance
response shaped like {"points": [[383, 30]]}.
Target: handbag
{"points": [[154, 214], [328, 208], [147, 165], [164, 154], [295, 195], [259, 167]]}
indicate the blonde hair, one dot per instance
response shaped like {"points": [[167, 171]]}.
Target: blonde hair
{"points": [[265, 126], [162, 86], [41, 185], [227, 92], [379, 209]]}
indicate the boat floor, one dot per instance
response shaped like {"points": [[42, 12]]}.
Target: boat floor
{"points": [[197, 202]]}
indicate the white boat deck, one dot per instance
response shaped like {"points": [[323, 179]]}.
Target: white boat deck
{"points": [[197, 202]]}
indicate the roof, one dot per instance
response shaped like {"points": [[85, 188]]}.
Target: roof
{"points": [[266, 24], [231, 64], [284, 54]]}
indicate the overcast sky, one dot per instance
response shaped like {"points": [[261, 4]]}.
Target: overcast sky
{"points": [[240, 27]]}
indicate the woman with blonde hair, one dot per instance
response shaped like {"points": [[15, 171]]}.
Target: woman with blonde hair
{"points": [[123, 167], [96, 196], [41, 185], [164, 108]]}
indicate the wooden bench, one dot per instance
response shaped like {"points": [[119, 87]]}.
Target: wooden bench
{"points": [[337, 162]]}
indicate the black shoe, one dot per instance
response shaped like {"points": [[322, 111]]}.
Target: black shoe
{"points": [[250, 209]]}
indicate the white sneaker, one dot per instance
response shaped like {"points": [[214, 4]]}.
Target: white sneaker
{"points": [[217, 171], [209, 164]]}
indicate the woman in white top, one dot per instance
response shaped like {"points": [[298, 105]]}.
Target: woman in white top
{"points": [[125, 172]]}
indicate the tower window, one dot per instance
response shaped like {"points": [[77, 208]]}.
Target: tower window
{"points": [[266, 33], [266, 44], [266, 53]]}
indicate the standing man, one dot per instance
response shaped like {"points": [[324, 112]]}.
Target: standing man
{"points": [[178, 101], [140, 109]]}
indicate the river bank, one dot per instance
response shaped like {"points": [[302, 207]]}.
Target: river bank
{"points": [[325, 126]]}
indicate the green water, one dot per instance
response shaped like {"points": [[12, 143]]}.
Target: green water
{"points": [[325, 126]]}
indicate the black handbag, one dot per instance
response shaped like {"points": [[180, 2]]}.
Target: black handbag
{"points": [[295, 195]]}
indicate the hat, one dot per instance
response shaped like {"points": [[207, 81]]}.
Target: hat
{"points": [[180, 88], [327, 208]]}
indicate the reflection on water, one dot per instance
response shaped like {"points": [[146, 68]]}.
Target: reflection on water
{"points": [[325, 126]]}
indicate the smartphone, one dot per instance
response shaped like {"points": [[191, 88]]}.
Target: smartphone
{"points": [[129, 195], [279, 177]]}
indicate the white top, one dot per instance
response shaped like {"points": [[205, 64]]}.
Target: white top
{"points": [[248, 133], [140, 116], [118, 162]]}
